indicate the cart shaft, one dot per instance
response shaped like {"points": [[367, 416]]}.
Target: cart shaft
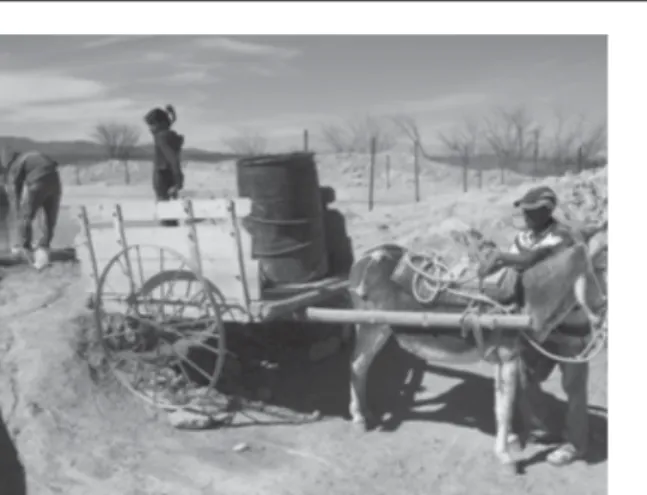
{"points": [[414, 319]]}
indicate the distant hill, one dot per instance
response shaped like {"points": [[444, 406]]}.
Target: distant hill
{"points": [[76, 152]]}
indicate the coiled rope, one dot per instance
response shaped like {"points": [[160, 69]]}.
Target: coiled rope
{"points": [[434, 275]]}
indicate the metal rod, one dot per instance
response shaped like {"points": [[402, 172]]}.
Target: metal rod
{"points": [[413, 319]]}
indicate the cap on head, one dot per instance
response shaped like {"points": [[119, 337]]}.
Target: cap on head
{"points": [[536, 198]]}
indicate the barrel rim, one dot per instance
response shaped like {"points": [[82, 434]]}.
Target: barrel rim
{"points": [[274, 157]]}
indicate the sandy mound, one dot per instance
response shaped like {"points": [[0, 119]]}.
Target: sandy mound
{"points": [[427, 225]]}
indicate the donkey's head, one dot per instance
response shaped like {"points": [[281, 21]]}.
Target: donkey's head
{"points": [[373, 269]]}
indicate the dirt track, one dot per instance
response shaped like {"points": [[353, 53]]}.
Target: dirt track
{"points": [[76, 436]]}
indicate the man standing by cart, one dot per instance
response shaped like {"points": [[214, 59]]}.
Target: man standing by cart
{"points": [[543, 237], [32, 182]]}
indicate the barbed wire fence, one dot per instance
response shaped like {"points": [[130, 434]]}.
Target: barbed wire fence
{"points": [[388, 149]]}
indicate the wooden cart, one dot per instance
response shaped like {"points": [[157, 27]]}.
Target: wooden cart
{"points": [[161, 294]]}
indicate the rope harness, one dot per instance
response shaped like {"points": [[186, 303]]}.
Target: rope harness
{"points": [[433, 274]]}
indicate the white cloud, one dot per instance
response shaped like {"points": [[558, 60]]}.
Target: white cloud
{"points": [[190, 76], [439, 104], [101, 41], [22, 88], [240, 47], [42, 100], [75, 111], [155, 56]]}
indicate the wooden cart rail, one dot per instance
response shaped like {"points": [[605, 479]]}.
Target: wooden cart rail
{"points": [[209, 235]]}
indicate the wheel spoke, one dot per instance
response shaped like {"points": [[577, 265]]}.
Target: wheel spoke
{"points": [[152, 323]]}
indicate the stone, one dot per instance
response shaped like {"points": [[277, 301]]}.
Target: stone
{"points": [[187, 420]]}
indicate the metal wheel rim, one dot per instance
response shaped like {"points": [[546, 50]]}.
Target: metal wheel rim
{"points": [[210, 301]]}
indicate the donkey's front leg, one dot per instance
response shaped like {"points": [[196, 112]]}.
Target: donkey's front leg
{"points": [[369, 341], [505, 388], [580, 290]]}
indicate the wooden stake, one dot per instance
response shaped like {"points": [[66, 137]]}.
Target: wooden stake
{"points": [[371, 182], [416, 169]]}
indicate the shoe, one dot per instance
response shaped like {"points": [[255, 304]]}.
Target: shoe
{"points": [[41, 258], [19, 252], [564, 455], [544, 438]]}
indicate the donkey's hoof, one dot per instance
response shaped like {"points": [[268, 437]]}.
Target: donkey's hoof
{"points": [[514, 443], [360, 424], [364, 423], [510, 468]]}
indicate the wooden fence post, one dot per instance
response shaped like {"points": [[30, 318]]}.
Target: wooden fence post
{"points": [[388, 171], [416, 169], [535, 154], [305, 140], [371, 180], [466, 168]]}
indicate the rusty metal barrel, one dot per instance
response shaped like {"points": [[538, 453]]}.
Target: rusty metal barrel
{"points": [[286, 222]]}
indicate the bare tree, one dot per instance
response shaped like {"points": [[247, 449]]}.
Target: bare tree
{"points": [[509, 135], [356, 135], [593, 144], [119, 141], [246, 142], [561, 142], [409, 128], [337, 138], [573, 141], [463, 141]]}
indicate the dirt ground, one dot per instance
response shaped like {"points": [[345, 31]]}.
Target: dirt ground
{"points": [[77, 433]]}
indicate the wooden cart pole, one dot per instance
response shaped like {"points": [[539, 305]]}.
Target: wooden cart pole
{"points": [[305, 140], [420, 319], [416, 169], [371, 179], [388, 171]]}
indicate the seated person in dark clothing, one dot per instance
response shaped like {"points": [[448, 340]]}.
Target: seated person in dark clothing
{"points": [[338, 244]]}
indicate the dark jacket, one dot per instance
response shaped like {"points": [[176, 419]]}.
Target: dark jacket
{"points": [[168, 148], [30, 169]]}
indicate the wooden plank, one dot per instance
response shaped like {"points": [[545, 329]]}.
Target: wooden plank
{"points": [[215, 241], [202, 208], [117, 285], [135, 210], [217, 245]]}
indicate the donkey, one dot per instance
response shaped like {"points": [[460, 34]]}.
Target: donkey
{"points": [[372, 288]]}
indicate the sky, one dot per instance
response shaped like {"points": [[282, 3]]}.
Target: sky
{"points": [[59, 87]]}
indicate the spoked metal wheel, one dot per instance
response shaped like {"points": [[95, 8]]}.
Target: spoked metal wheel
{"points": [[161, 329]]}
